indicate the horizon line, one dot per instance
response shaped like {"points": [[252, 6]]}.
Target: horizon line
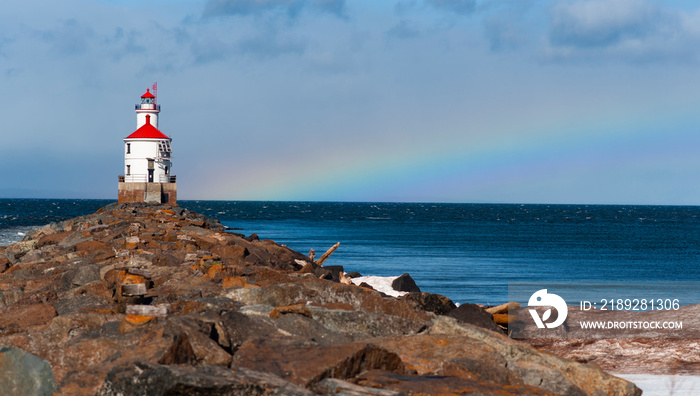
{"points": [[370, 202]]}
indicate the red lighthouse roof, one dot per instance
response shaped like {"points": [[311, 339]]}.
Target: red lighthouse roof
{"points": [[148, 94], [147, 131]]}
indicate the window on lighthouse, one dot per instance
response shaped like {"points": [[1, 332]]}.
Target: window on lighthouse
{"points": [[128, 148]]}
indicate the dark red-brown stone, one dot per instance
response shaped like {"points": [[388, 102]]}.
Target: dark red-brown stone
{"points": [[306, 363]]}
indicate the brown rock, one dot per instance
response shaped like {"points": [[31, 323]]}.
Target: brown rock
{"points": [[142, 378], [203, 348], [333, 386], [343, 306], [284, 358], [99, 289], [546, 371], [299, 309], [4, 264], [475, 315], [180, 352], [187, 307], [428, 302], [236, 328], [25, 317], [230, 252], [80, 276], [442, 385], [321, 293], [166, 260], [236, 281], [362, 325], [95, 248], [51, 239]]}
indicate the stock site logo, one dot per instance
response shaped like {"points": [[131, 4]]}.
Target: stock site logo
{"points": [[543, 299]]}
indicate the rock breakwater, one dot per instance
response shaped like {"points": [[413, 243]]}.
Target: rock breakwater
{"points": [[150, 300]]}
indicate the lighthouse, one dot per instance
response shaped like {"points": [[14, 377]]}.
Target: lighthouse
{"points": [[147, 159]]}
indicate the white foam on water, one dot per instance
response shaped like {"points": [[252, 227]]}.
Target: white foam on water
{"points": [[380, 283], [657, 385], [11, 235]]}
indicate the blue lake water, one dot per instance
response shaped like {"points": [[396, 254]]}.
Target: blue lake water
{"points": [[468, 252]]}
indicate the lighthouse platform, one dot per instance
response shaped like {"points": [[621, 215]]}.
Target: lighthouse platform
{"points": [[130, 191]]}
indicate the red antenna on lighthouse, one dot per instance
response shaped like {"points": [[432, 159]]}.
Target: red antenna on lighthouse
{"points": [[155, 92]]}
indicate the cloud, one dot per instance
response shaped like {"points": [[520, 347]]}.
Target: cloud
{"points": [[602, 23], [462, 7], [629, 30], [124, 43], [70, 38], [259, 7], [209, 50], [507, 24], [503, 34], [267, 43], [334, 7], [270, 44], [403, 30]]}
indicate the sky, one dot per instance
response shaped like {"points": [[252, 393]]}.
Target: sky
{"points": [[484, 101]]}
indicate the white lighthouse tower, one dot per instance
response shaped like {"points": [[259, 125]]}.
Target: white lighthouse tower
{"points": [[147, 159]]}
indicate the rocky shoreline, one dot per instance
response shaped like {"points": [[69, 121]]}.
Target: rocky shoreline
{"points": [[140, 299]]}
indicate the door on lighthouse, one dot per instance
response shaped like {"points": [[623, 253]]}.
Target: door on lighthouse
{"points": [[151, 167]]}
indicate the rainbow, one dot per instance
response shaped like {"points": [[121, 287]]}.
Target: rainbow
{"points": [[504, 164]]}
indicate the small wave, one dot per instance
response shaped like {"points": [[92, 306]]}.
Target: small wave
{"points": [[11, 235], [378, 218]]}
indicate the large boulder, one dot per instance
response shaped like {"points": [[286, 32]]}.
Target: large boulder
{"points": [[306, 363], [523, 361], [144, 379], [405, 283], [22, 373], [323, 292], [474, 314], [429, 302]]}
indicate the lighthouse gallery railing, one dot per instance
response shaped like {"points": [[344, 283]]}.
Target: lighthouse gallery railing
{"points": [[144, 106], [134, 178]]}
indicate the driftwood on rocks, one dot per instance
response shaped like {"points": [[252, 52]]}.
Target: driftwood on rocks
{"points": [[503, 308], [328, 253]]}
